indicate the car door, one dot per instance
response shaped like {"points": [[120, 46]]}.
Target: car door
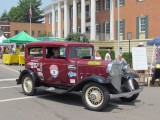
{"points": [[55, 68]]}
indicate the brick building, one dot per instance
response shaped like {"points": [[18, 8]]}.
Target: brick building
{"points": [[5, 28], [37, 28], [98, 18]]}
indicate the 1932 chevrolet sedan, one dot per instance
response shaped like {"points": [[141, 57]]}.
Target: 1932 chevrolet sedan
{"points": [[63, 67]]}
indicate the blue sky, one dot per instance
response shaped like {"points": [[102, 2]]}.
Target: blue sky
{"points": [[8, 4]]}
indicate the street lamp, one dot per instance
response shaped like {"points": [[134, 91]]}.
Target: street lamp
{"points": [[118, 5]]}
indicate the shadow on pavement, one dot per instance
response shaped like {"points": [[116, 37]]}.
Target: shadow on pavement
{"points": [[75, 100]]}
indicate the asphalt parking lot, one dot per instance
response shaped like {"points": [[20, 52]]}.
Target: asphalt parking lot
{"points": [[14, 105]]}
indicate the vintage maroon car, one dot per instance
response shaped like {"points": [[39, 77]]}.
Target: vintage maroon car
{"points": [[63, 67]]}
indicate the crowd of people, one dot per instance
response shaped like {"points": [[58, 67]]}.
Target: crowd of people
{"points": [[10, 49], [108, 58]]}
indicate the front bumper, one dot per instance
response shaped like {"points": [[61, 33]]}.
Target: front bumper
{"points": [[126, 94]]}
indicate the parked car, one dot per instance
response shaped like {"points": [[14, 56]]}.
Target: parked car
{"points": [[63, 67]]}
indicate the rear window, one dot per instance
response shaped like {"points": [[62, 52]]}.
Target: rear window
{"points": [[35, 52]]}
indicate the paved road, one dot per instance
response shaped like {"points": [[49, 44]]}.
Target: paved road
{"points": [[14, 105]]}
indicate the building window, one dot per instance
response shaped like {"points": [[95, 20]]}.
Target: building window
{"points": [[15, 32], [97, 28], [107, 26], [56, 15], [121, 2], [39, 32], [121, 26], [49, 19], [142, 24], [79, 10], [32, 32], [97, 5], [79, 29], [71, 12], [106, 4], [87, 11], [71, 30], [56, 34], [25, 31]]}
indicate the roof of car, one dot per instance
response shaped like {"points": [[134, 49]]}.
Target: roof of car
{"points": [[59, 43]]}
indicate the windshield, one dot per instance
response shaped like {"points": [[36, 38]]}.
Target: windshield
{"points": [[80, 52]]}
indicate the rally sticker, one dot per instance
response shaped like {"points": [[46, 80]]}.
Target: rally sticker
{"points": [[72, 74], [72, 81], [54, 70], [72, 67], [94, 63]]}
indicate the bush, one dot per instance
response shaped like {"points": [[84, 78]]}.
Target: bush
{"points": [[103, 53], [127, 57], [75, 37]]}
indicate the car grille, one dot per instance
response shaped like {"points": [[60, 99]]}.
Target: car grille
{"points": [[116, 75]]}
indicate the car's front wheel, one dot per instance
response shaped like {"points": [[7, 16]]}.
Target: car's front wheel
{"points": [[28, 85], [95, 96]]}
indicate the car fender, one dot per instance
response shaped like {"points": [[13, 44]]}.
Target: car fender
{"points": [[93, 78], [24, 72], [132, 75]]}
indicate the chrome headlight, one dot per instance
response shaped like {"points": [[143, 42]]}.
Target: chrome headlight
{"points": [[125, 68], [109, 67]]}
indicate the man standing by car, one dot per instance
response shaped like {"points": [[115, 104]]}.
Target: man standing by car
{"points": [[107, 56]]}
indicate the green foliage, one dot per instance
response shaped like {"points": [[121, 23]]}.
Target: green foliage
{"points": [[4, 15], [75, 37], [112, 55], [21, 12], [127, 57], [103, 53]]}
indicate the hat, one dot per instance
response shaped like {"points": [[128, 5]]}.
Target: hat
{"points": [[141, 43]]}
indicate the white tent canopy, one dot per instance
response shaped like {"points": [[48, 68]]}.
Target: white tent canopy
{"points": [[1, 39]]}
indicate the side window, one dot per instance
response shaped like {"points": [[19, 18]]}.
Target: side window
{"points": [[35, 52], [55, 53]]}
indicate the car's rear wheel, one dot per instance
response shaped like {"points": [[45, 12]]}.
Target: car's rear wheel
{"points": [[28, 85], [95, 96], [133, 97]]}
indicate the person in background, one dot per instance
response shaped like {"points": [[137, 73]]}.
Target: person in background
{"points": [[0, 52], [98, 56], [121, 60], [140, 44], [13, 49], [155, 70], [56, 53], [107, 56]]}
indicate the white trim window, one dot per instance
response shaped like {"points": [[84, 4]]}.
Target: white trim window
{"points": [[107, 27], [97, 5], [106, 4], [97, 28], [142, 24], [121, 2], [121, 26], [56, 16]]}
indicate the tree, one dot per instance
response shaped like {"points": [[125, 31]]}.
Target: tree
{"points": [[21, 12], [4, 16], [75, 37]]}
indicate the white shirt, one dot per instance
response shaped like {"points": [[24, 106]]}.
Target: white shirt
{"points": [[109, 57], [98, 58]]}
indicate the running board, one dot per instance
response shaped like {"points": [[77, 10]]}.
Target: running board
{"points": [[53, 90]]}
